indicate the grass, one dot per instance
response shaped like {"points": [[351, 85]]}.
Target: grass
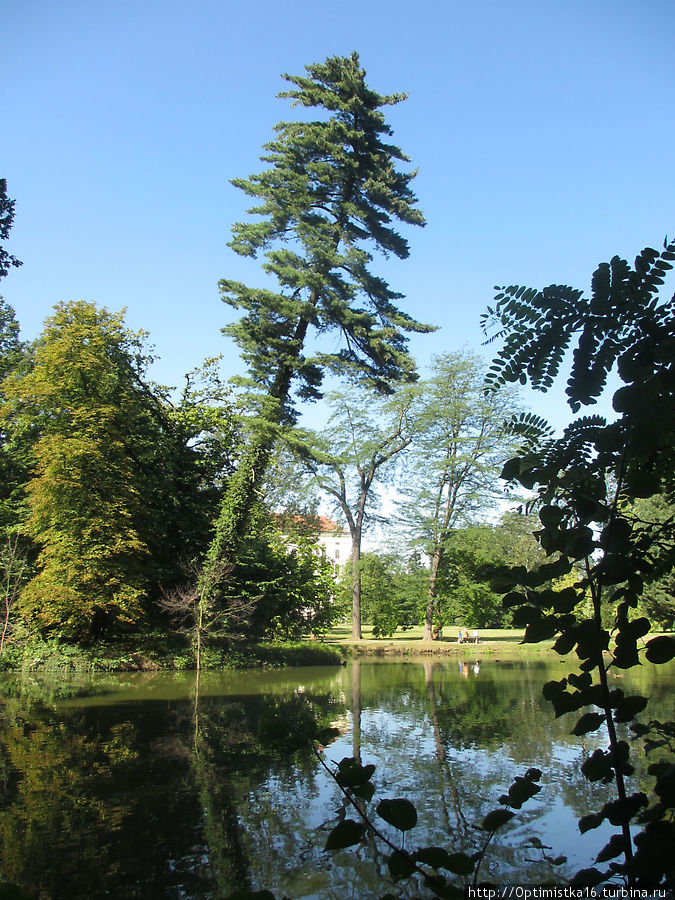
{"points": [[133, 654], [410, 641]]}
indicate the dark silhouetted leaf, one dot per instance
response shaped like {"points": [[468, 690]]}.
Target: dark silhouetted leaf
{"points": [[660, 649], [592, 820], [540, 631], [588, 878], [565, 643], [436, 857], [398, 812], [345, 834], [613, 848], [621, 811], [597, 767], [665, 787], [496, 819], [365, 791], [351, 773], [588, 722], [459, 864], [400, 865], [628, 707]]}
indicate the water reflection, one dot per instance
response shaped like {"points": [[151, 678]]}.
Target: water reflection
{"points": [[157, 785]]}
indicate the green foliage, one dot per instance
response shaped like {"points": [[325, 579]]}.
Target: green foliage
{"points": [[279, 587], [399, 812], [393, 591], [364, 439], [657, 600], [15, 437], [330, 194], [345, 834], [115, 494], [207, 432], [14, 570], [14, 457], [459, 446], [470, 557], [7, 261], [588, 485], [330, 189]]}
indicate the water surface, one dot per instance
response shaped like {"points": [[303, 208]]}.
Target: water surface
{"points": [[149, 785]]}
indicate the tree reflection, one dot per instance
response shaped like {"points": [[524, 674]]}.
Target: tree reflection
{"points": [[173, 786]]}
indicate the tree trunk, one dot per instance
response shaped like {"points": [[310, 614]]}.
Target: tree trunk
{"points": [[356, 585], [5, 623], [356, 710], [240, 493], [239, 499], [198, 636], [431, 600]]}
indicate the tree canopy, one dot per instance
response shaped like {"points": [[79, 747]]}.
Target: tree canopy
{"points": [[459, 445], [346, 460], [331, 190], [111, 500], [7, 260], [331, 194]]}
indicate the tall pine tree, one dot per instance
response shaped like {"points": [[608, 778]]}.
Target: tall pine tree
{"points": [[330, 194]]}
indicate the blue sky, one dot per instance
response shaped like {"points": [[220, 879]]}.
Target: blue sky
{"points": [[543, 133]]}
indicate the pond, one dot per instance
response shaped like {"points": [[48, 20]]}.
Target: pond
{"points": [[140, 785]]}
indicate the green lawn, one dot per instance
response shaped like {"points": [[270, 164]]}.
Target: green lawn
{"points": [[410, 640]]}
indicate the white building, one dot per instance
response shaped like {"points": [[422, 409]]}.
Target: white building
{"points": [[335, 543]]}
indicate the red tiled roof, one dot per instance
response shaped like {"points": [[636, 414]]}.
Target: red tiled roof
{"points": [[323, 522]]}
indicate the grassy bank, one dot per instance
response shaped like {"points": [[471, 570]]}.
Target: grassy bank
{"points": [[164, 654], [409, 642]]}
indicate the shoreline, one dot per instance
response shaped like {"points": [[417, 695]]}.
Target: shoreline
{"points": [[52, 658], [330, 650]]}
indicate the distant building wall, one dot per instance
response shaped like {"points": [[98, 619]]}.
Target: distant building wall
{"points": [[336, 544]]}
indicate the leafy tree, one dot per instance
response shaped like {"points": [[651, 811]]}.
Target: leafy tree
{"points": [[586, 483], [15, 439], [393, 591], [112, 475], [471, 554], [13, 573], [458, 449], [345, 459], [330, 193], [85, 501], [14, 452], [658, 596], [12, 352], [281, 580], [7, 261], [11, 348], [203, 445]]}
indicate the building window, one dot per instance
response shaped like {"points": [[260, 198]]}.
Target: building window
{"points": [[337, 553]]}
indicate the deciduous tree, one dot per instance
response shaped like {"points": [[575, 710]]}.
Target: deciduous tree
{"points": [[12, 353], [110, 503], [458, 448], [7, 260], [345, 459], [470, 555], [14, 437]]}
